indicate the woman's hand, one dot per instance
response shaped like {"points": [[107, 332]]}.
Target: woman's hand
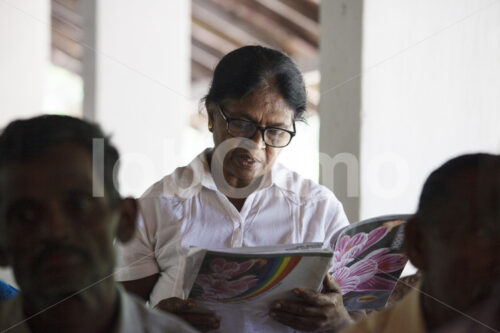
{"points": [[203, 322], [323, 311]]}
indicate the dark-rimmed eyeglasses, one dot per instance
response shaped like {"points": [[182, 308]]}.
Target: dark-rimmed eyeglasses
{"points": [[272, 136]]}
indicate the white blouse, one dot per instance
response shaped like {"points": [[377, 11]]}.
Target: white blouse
{"points": [[185, 209]]}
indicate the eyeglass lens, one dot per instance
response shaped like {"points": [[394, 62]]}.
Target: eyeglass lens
{"points": [[272, 136]]}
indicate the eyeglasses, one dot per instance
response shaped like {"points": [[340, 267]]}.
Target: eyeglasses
{"points": [[272, 136]]}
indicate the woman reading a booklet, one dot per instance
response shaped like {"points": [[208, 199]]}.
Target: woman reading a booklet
{"points": [[235, 195]]}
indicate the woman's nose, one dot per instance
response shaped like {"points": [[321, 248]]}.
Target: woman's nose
{"points": [[258, 138]]}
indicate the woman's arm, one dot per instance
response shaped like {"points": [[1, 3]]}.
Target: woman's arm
{"points": [[201, 321], [141, 287]]}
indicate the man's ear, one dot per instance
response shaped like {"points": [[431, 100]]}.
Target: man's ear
{"points": [[4, 262], [128, 220], [415, 246]]}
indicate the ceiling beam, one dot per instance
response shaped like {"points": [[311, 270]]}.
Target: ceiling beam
{"points": [[307, 8], [203, 58], [198, 72], [291, 18], [216, 43], [66, 14], [211, 20], [265, 26]]}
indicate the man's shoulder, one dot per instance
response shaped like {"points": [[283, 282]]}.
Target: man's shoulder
{"points": [[11, 316], [137, 317]]}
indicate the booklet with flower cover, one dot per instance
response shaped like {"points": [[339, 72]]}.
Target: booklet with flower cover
{"points": [[254, 274], [368, 261]]}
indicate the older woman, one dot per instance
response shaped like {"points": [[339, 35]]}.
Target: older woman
{"points": [[235, 195]]}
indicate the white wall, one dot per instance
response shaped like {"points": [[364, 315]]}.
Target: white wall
{"points": [[426, 89], [136, 77], [24, 45], [430, 91]]}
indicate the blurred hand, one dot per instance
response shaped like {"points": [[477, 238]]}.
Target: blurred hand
{"points": [[323, 311], [203, 322]]}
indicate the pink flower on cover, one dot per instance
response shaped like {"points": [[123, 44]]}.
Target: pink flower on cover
{"points": [[219, 289], [223, 269], [386, 263], [219, 284], [348, 248], [361, 276], [349, 278]]}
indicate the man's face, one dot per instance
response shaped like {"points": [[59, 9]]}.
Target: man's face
{"points": [[463, 253], [57, 236]]}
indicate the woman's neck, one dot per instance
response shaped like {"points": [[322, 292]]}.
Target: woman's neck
{"points": [[237, 203]]}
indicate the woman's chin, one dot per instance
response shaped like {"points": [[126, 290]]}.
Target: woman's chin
{"points": [[244, 177]]}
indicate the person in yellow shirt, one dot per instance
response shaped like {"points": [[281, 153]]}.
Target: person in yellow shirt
{"points": [[454, 239]]}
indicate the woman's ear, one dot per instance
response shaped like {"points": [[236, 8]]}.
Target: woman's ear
{"points": [[128, 220], [210, 106], [415, 246]]}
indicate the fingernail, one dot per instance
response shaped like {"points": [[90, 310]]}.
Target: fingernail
{"points": [[277, 306], [296, 292], [190, 303]]}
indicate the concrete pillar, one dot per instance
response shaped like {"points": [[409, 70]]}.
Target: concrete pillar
{"points": [[341, 42], [24, 45], [136, 79]]}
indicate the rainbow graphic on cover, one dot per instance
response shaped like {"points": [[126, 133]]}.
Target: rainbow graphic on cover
{"points": [[233, 278]]}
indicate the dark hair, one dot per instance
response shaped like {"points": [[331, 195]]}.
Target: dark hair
{"points": [[247, 68], [22, 140], [442, 190]]}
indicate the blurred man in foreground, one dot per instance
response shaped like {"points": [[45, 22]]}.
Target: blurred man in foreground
{"points": [[454, 239], [58, 235]]}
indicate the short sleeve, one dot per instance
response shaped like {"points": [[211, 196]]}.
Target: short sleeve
{"points": [[136, 259], [156, 247]]}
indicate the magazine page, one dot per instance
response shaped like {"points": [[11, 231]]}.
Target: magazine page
{"points": [[368, 261], [239, 284], [260, 275]]}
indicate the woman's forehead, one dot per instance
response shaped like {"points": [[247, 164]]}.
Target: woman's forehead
{"points": [[258, 103]]}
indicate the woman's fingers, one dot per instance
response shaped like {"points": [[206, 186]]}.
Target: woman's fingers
{"points": [[298, 308], [330, 285], [318, 299], [204, 322], [314, 311], [175, 304]]}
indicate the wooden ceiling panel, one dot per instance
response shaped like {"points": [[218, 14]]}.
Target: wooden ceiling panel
{"points": [[218, 27], [289, 17]]}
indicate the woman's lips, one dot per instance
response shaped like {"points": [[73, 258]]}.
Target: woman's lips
{"points": [[245, 161]]}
